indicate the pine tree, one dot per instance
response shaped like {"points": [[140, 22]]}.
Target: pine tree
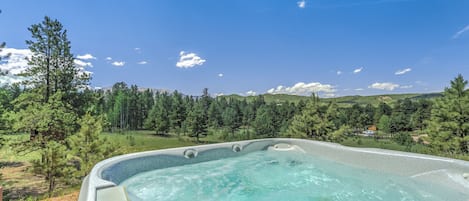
{"points": [[215, 115], [177, 114], [52, 66], [368, 117], [230, 120], [87, 145], [197, 122], [449, 123], [134, 112], [248, 117], [354, 119], [419, 118], [312, 122], [159, 117], [53, 165], [52, 121], [162, 121], [305, 124], [264, 123]]}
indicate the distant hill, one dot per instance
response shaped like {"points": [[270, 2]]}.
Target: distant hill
{"points": [[342, 101]]}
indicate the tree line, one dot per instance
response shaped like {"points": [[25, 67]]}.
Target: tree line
{"points": [[132, 108], [65, 117]]}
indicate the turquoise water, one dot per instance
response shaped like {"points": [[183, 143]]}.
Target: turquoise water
{"points": [[272, 175]]}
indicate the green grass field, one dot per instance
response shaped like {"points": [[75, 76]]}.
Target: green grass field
{"points": [[136, 141]]}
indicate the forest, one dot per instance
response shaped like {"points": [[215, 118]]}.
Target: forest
{"points": [[70, 125]]}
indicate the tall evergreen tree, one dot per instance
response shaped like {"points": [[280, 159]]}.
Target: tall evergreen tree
{"points": [[367, 117], [215, 119], [449, 124], [88, 146], [312, 122], [159, 117], [51, 121], [248, 117], [401, 116], [305, 123], [354, 119], [54, 164], [197, 122], [264, 122], [177, 114], [422, 114], [52, 66], [163, 108], [134, 112], [230, 119]]}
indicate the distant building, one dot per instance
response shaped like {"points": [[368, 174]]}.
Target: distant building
{"points": [[370, 131]]}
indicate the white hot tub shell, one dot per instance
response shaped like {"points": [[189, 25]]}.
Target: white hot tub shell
{"points": [[102, 182]]}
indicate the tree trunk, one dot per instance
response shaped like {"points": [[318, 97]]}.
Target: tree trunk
{"points": [[47, 77], [51, 185]]}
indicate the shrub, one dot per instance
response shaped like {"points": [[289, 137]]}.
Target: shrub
{"points": [[403, 139]]}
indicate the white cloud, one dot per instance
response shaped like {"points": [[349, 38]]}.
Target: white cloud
{"points": [[329, 95], [118, 63], [16, 62], [86, 57], [359, 89], [301, 4], [10, 79], [138, 50], [460, 32], [82, 63], [108, 58], [251, 93], [220, 75], [358, 70], [406, 86], [142, 62], [403, 71], [384, 86], [302, 88], [189, 60], [339, 72]]}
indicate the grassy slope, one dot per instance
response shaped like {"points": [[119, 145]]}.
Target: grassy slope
{"points": [[344, 100]]}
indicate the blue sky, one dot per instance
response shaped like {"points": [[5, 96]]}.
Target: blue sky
{"points": [[262, 46]]}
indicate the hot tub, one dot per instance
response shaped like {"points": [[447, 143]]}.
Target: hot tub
{"points": [[276, 169]]}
